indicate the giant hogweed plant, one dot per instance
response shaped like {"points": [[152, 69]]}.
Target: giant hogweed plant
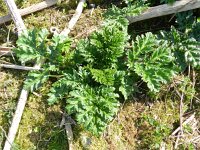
{"points": [[185, 41], [103, 69], [152, 60], [89, 78]]}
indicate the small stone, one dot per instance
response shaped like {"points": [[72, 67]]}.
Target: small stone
{"points": [[86, 141], [92, 5]]}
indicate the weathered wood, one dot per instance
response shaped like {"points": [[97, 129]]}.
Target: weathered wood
{"points": [[15, 15], [19, 67], [165, 9], [75, 18], [29, 10], [24, 93], [5, 51]]}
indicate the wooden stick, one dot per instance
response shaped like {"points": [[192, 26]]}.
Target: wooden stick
{"points": [[19, 67], [15, 15], [66, 121], [6, 51], [75, 18], [24, 93], [29, 10], [165, 9], [181, 113]]}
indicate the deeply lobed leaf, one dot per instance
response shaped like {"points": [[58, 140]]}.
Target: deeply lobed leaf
{"points": [[93, 107], [152, 59], [31, 45]]}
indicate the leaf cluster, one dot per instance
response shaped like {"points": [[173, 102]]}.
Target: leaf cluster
{"points": [[105, 67], [184, 41], [151, 59], [89, 78]]}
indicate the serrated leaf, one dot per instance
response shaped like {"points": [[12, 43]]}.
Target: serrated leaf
{"points": [[152, 59], [103, 48], [96, 106], [58, 51], [31, 45], [36, 79], [105, 76], [63, 86]]}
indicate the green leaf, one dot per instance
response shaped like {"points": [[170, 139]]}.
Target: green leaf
{"points": [[93, 107], [63, 86], [105, 76], [59, 53], [192, 52], [103, 48], [31, 45], [153, 60], [185, 48], [36, 79]]}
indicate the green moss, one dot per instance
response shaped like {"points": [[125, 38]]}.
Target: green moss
{"points": [[156, 124], [39, 128], [10, 85], [3, 9]]}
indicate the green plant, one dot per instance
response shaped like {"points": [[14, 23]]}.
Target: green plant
{"points": [[105, 66], [152, 59], [154, 132], [132, 8], [184, 47], [94, 107], [87, 76]]}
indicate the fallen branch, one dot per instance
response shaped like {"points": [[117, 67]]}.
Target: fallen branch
{"points": [[29, 10], [18, 67], [162, 10]]}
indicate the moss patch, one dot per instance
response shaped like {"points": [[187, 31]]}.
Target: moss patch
{"points": [[129, 130], [10, 86], [39, 128]]}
